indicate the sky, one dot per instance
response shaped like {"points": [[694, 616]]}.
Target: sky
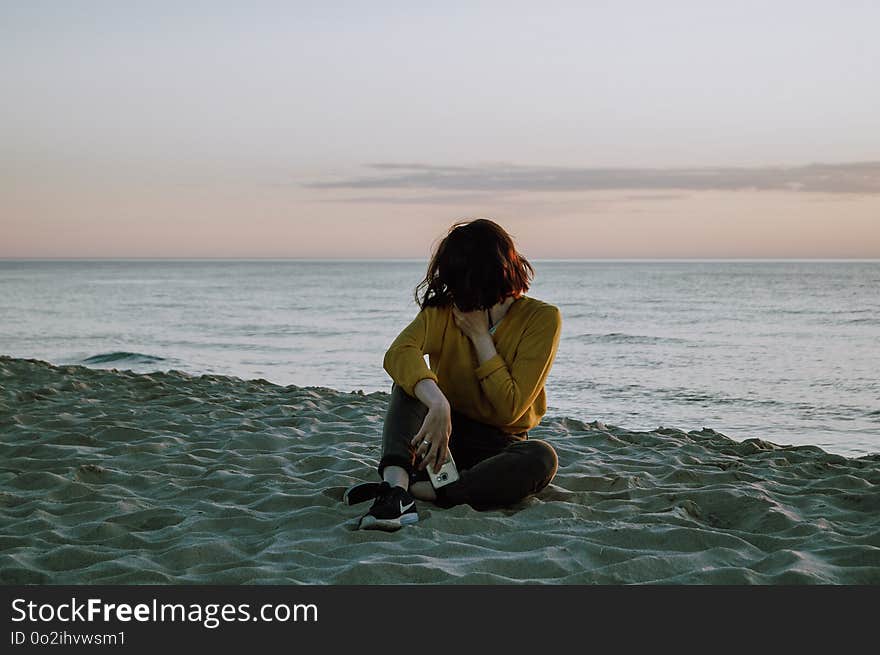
{"points": [[350, 129]]}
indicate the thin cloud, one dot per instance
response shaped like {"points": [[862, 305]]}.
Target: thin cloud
{"points": [[421, 167], [421, 199], [858, 177], [655, 196]]}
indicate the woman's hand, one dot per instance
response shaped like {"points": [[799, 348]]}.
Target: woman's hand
{"points": [[432, 440], [475, 324]]}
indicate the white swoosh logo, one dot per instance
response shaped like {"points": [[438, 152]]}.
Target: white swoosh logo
{"points": [[403, 509]]}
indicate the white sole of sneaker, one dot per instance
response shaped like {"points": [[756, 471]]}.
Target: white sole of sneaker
{"points": [[372, 523]]}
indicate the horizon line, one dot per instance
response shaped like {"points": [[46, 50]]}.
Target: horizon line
{"points": [[422, 259]]}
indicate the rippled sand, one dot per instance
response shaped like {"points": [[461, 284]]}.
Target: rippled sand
{"points": [[116, 477]]}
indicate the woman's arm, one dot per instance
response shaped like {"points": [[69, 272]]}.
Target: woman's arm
{"points": [[512, 387], [432, 440], [405, 358]]}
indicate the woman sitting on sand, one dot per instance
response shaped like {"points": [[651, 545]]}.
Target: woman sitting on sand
{"points": [[490, 349]]}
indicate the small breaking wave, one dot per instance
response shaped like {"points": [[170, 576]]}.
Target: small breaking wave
{"points": [[122, 357]]}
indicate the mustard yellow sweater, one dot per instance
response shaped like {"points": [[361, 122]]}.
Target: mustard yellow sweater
{"points": [[507, 390]]}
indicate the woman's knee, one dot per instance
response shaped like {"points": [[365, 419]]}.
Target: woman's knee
{"points": [[522, 470], [543, 460], [398, 393]]}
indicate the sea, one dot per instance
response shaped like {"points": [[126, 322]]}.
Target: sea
{"points": [[783, 351]]}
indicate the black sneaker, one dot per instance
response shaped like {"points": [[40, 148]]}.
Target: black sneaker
{"points": [[360, 493], [392, 509], [364, 491]]}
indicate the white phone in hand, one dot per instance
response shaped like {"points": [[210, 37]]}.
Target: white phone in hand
{"points": [[447, 474]]}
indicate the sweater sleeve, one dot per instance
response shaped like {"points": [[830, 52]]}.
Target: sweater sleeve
{"points": [[405, 359], [512, 387]]}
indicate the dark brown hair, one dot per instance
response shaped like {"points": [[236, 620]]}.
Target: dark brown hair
{"points": [[475, 266]]}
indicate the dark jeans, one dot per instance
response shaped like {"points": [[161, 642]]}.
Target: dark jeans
{"points": [[496, 468]]}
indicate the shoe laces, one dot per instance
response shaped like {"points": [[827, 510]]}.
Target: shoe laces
{"points": [[383, 493]]}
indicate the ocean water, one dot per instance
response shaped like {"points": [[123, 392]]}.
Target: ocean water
{"points": [[788, 352]]}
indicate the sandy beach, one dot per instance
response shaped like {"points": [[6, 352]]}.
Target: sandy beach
{"points": [[121, 478]]}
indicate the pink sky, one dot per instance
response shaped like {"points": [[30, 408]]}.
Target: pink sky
{"points": [[242, 221], [590, 130]]}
